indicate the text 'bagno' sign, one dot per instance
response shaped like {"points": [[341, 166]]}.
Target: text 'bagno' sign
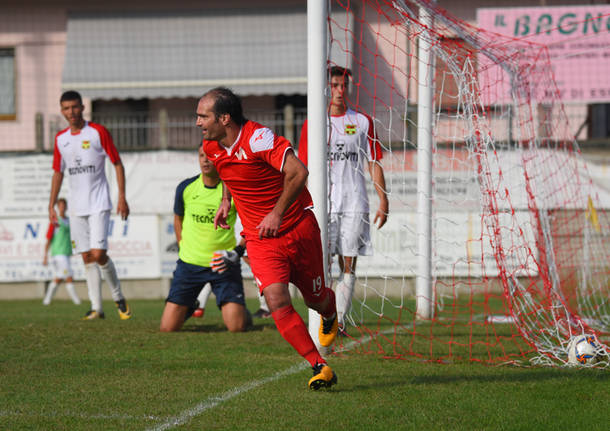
{"points": [[578, 41]]}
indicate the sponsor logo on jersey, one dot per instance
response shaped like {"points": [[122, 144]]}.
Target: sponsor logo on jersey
{"points": [[79, 169], [86, 145], [205, 218], [342, 154], [241, 154], [350, 129]]}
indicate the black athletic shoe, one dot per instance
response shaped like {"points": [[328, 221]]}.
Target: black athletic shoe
{"points": [[262, 314]]}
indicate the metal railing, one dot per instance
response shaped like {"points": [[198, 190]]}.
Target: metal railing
{"points": [[140, 131]]}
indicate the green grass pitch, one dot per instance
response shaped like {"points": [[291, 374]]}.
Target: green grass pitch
{"points": [[60, 373]]}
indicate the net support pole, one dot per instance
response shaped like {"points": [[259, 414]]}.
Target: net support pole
{"points": [[317, 12], [423, 283]]}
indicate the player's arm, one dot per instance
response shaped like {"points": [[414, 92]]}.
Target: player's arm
{"points": [[295, 177], [178, 227], [378, 177], [56, 181], [220, 219], [179, 211], [45, 259], [108, 145], [122, 207], [49, 236]]}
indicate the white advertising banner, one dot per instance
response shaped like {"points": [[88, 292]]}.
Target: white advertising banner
{"points": [[145, 245], [168, 245], [25, 183], [152, 178], [460, 249], [133, 245]]}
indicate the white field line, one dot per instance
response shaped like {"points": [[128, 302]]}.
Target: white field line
{"points": [[186, 415], [69, 414]]}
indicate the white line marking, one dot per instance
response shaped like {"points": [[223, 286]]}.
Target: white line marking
{"points": [[213, 401], [69, 414], [207, 404]]}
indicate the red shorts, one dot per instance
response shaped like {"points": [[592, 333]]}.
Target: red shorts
{"points": [[295, 256]]}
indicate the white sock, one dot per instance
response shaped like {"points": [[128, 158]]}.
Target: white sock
{"points": [[204, 295], [50, 292], [94, 285], [72, 293], [109, 271], [263, 303], [344, 293]]}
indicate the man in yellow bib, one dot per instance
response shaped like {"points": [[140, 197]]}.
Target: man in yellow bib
{"points": [[206, 255]]}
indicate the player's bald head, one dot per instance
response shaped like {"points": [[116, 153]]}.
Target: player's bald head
{"points": [[226, 102]]}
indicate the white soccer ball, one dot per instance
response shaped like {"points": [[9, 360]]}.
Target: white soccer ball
{"points": [[583, 349]]}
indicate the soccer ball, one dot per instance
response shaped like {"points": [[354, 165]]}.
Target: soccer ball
{"points": [[583, 350]]}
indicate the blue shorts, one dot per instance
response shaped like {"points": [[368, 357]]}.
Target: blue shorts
{"points": [[189, 280]]}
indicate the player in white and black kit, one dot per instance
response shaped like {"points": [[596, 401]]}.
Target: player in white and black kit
{"points": [[354, 149], [81, 151]]}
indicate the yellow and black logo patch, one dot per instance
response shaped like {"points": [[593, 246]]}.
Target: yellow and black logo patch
{"points": [[86, 145], [350, 129]]}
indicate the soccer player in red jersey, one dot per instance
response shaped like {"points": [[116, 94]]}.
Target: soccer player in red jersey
{"points": [[266, 180]]}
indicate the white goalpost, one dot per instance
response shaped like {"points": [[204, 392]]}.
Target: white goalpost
{"points": [[317, 15], [425, 97]]}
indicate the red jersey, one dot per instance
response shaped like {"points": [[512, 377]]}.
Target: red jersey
{"points": [[252, 170]]}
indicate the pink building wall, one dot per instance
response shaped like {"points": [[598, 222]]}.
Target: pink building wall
{"points": [[39, 37], [37, 31]]}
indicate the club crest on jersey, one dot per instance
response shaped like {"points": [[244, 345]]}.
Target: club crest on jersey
{"points": [[86, 145], [261, 140], [350, 129]]}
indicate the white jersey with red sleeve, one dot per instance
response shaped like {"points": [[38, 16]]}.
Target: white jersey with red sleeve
{"points": [[252, 170], [353, 144], [82, 157]]}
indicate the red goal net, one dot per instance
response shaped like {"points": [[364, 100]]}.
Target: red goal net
{"points": [[520, 256]]}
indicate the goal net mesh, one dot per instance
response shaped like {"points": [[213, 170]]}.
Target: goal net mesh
{"points": [[520, 255]]}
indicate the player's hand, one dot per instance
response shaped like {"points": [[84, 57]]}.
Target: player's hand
{"points": [[222, 259], [45, 261], [270, 225], [220, 219], [122, 208], [52, 215], [381, 217]]}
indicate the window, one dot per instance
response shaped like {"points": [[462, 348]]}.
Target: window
{"points": [[7, 84], [599, 120]]}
